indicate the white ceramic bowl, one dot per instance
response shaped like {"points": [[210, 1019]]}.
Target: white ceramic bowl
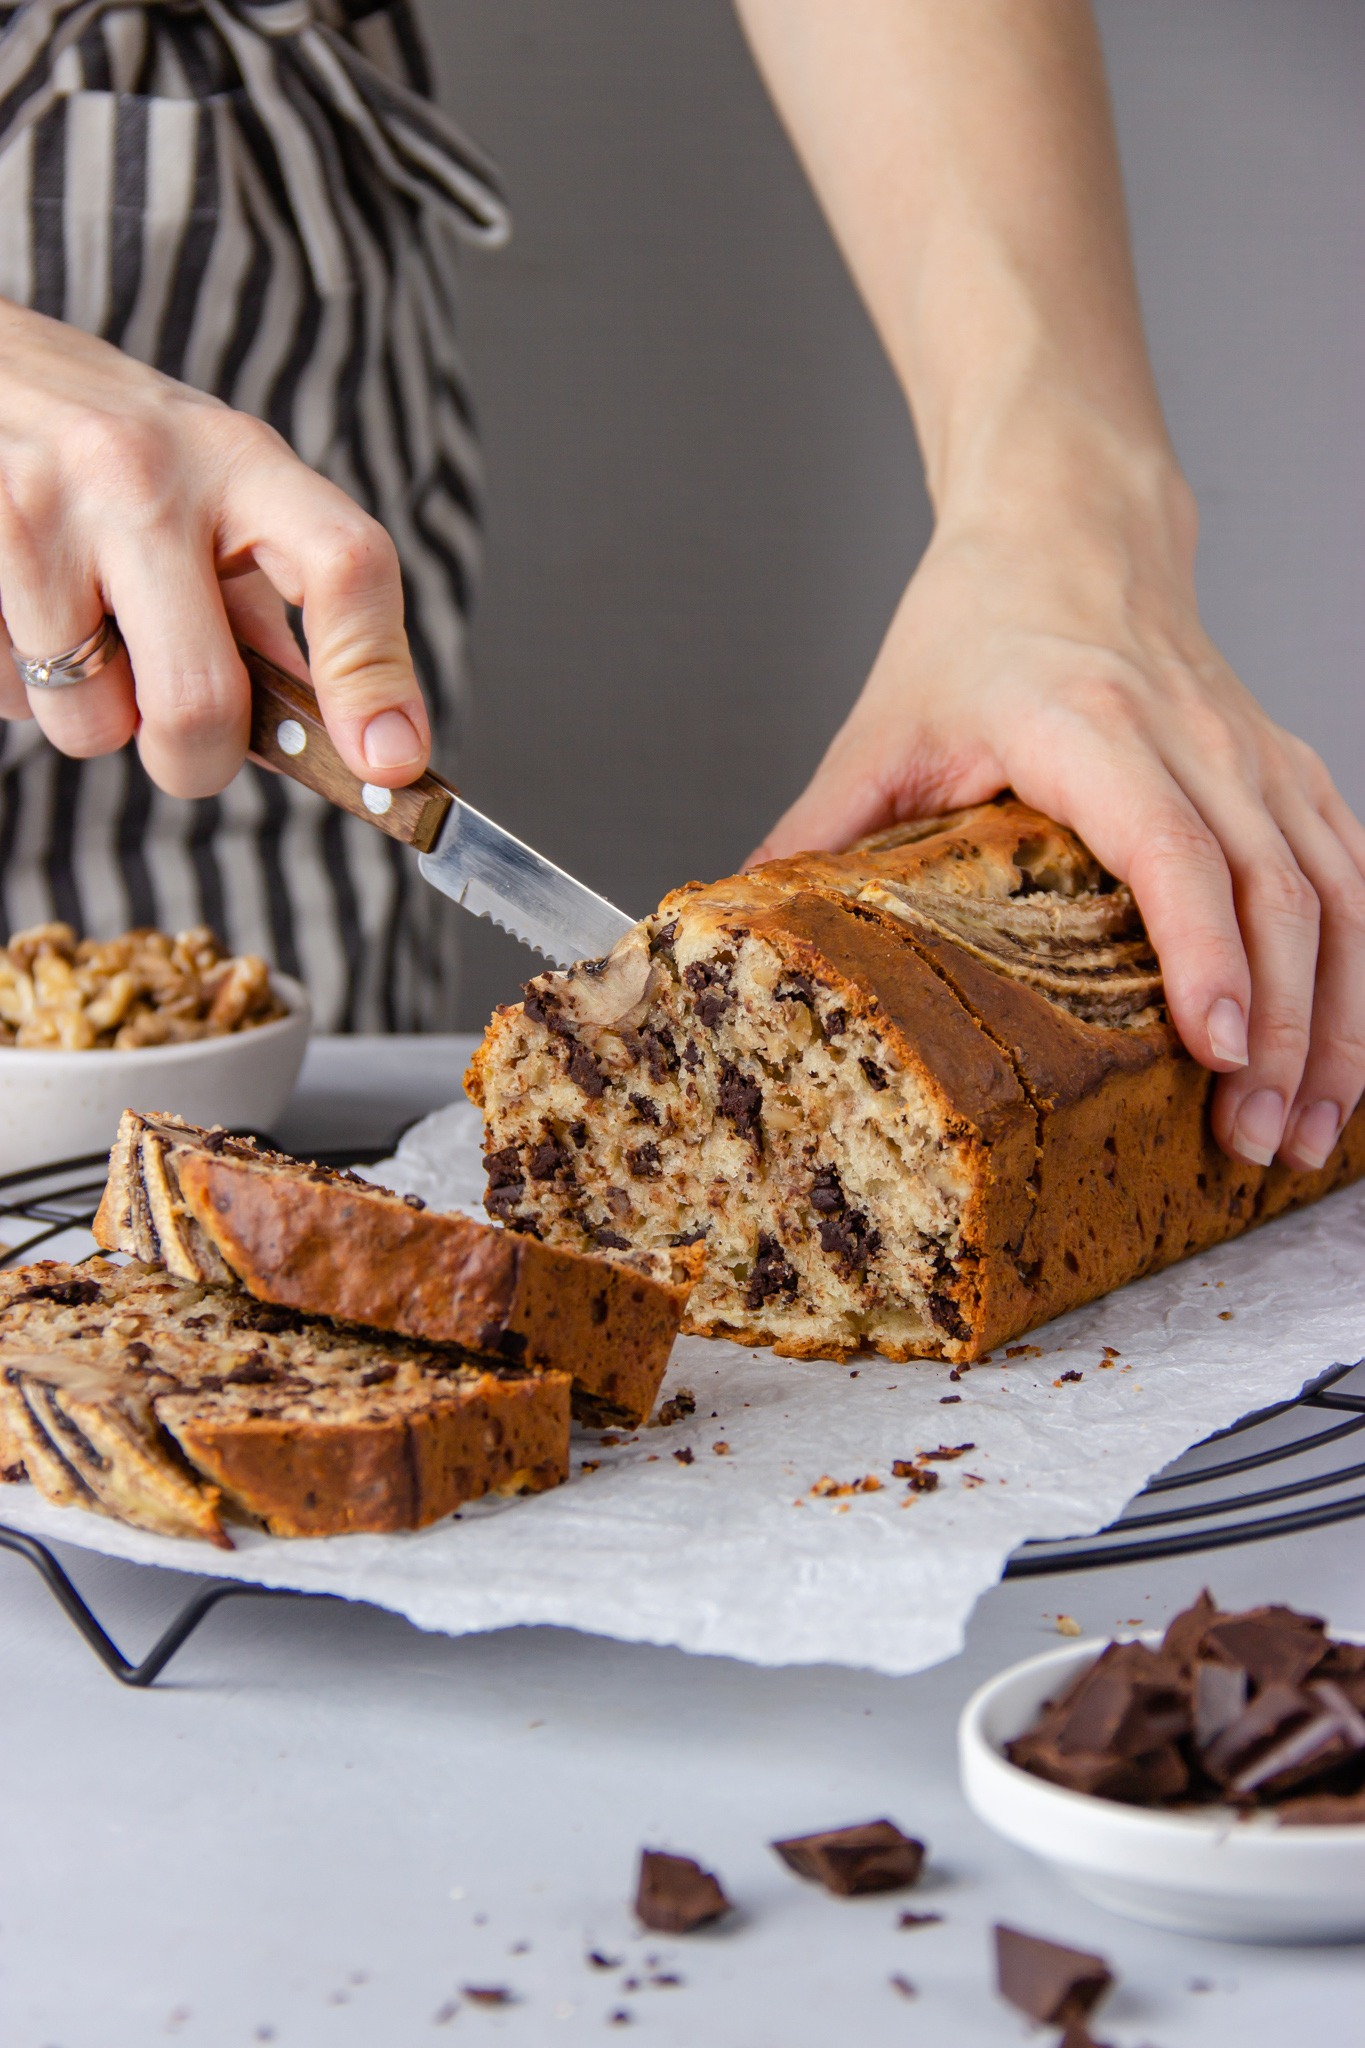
{"points": [[61, 1105], [1201, 1873]]}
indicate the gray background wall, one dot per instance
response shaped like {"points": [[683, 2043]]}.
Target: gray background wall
{"points": [[703, 493]]}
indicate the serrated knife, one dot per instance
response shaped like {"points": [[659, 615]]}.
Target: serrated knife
{"points": [[459, 851]]}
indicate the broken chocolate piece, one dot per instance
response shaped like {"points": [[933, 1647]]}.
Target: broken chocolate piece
{"points": [[872, 1856], [1220, 1697], [1129, 1703], [675, 1895], [1273, 1645], [1046, 1980]]}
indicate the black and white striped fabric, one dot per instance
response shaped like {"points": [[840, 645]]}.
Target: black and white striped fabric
{"points": [[257, 199]]}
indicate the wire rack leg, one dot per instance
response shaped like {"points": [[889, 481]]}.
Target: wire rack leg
{"points": [[105, 1648]]}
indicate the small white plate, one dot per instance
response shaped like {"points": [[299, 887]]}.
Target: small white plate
{"points": [[1199, 1872], [61, 1105]]}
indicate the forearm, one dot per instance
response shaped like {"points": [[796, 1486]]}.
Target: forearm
{"points": [[964, 155]]}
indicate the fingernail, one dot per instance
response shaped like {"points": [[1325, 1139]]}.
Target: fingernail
{"points": [[1259, 1126], [1315, 1134], [1227, 1029], [391, 741]]}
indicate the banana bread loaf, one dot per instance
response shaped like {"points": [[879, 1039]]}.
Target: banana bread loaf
{"points": [[208, 1206], [172, 1405], [918, 1097]]}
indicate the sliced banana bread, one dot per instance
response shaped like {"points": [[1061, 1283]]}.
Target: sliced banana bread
{"points": [[208, 1206], [918, 1097], [173, 1405]]}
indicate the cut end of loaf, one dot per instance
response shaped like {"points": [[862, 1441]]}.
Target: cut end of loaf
{"points": [[707, 1088]]}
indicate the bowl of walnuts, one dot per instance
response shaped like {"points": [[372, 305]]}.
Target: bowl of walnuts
{"points": [[148, 1020]]}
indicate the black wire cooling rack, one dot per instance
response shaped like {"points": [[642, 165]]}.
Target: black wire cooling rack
{"points": [[1279, 1470]]}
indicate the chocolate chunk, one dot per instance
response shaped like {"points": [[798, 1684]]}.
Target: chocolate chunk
{"points": [[662, 940], [1273, 1645], [644, 1162], [1333, 1735], [645, 1109], [585, 1072], [1273, 1714], [1220, 1697], [873, 1856], [253, 1372], [62, 1293], [413, 1202], [1129, 1703], [503, 1203], [1049, 1982], [269, 1319], [661, 1054], [543, 1007], [503, 1168], [711, 991], [610, 1240], [692, 1056], [875, 1077], [579, 1133], [740, 1101], [1152, 1780], [948, 1316], [137, 1353], [685, 1456], [797, 988], [488, 1994], [686, 1237], [378, 1375], [550, 1158], [675, 1895], [772, 1273], [835, 1023], [845, 1233]]}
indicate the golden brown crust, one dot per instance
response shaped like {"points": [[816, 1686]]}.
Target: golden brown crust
{"points": [[162, 1402], [329, 1244], [1007, 988], [401, 1472]]}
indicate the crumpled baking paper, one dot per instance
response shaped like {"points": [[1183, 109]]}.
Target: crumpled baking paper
{"points": [[733, 1554]]}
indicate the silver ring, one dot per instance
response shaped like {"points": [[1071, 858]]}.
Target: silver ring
{"points": [[77, 665]]}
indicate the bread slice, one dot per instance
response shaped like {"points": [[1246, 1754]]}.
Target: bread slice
{"points": [[919, 1097], [208, 1206], [173, 1405]]}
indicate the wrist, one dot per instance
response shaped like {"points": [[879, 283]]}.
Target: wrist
{"points": [[1051, 465]]}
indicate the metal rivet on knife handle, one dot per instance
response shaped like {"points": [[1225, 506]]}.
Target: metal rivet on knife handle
{"points": [[287, 733]]}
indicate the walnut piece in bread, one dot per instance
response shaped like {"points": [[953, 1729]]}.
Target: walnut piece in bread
{"points": [[918, 1098]]}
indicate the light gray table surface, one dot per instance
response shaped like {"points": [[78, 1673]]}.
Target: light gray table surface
{"points": [[321, 1824]]}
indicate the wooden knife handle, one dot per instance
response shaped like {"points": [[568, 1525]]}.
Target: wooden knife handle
{"points": [[287, 733]]}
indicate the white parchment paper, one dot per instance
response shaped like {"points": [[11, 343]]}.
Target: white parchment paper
{"points": [[733, 1554]]}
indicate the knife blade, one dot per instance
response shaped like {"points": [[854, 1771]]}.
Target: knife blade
{"points": [[465, 855], [479, 865]]}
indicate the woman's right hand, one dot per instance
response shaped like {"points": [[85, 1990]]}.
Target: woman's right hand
{"points": [[122, 491]]}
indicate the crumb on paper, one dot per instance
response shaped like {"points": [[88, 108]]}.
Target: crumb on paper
{"points": [[903, 1985], [1023, 1351], [1067, 1625], [972, 1479], [596, 1960], [686, 1456], [1225, 1315], [591, 1465], [722, 1449], [826, 1488], [1068, 1379], [675, 1409]]}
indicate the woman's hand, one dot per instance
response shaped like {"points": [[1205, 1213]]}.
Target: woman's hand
{"points": [[1050, 642], [122, 491]]}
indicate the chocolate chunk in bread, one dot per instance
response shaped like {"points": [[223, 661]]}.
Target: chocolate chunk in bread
{"points": [[173, 1404], [208, 1207], [918, 1097]]}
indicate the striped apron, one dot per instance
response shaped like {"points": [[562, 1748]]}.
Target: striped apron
{"points": [[257, 199]]}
